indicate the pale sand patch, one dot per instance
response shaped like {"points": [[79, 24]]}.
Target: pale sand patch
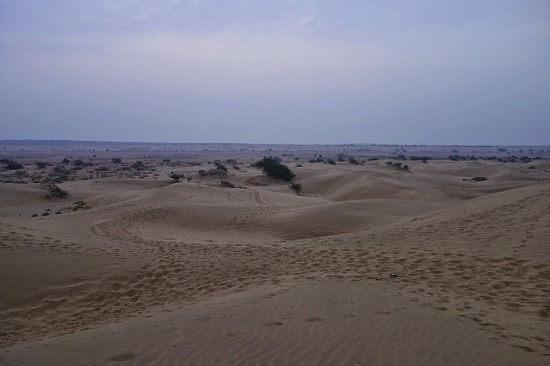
{"points": [[323, 323]]}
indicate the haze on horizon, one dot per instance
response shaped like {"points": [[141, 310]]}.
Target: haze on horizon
{"points": [[403, 72]]}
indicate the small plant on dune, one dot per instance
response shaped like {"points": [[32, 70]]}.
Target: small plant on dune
{"points": [[296, 187], [228, 184], [55, 191], [479, 179], [177, 177], [353, 161], [220, 166], [331, 161], [80, 205]]}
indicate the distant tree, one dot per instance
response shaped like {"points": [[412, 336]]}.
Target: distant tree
{"points": [[13, 165], [274, 168]]}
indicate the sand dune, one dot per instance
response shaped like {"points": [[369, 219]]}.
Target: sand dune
{"points": [[372, 265]]}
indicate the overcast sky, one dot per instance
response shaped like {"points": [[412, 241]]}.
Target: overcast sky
{"points": [[276, 71]]}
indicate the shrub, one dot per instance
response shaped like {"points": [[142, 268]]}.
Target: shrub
{"points": [[116, 160], [138, 165], [353, 161], [40, 164], [12, 164], [228, 184], [55, 191], [331, 161], [479, 179], [177, 177], [274, 168], [220, 166], [296, 187]]}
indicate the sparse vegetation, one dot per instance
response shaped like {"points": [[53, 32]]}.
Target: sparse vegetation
{"points": [[12, 164], [296, 187], [220, 166], [228, 184], [479, 179], [55, 191], [177, 177], [353, 161], [80, 205], [398, 165]]}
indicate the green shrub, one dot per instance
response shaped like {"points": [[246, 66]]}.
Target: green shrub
{"points": [[296, 187], [274, 168]]}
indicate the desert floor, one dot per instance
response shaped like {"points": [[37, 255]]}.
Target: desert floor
{"points": [[371, 265]]}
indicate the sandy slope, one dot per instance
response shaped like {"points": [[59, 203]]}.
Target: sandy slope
{"points": [[262, 276]]}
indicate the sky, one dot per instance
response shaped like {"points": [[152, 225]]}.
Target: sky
{"points": [[461, 72]]}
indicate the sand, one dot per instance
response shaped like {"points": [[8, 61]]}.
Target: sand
{"points": [[372, 265]]}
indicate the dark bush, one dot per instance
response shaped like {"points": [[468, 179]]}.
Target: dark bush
{"points": [[177, 177], [220, 166], [479, 179], [228, 184], [353, 161], [138, 165], [55, 191], [274, 168], [12, 164]]}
